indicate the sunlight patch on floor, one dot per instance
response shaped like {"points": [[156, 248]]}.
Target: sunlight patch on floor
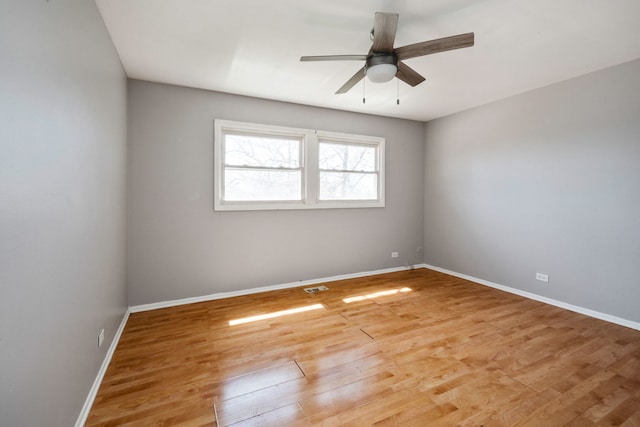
{"points": [[275, 314], [376, 295]]}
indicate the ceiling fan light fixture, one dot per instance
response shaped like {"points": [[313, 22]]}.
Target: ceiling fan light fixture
{"points": [[381, 73]]}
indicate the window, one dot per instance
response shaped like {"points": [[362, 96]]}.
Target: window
{"points": [[348, 171], [270, 167], [262, 167]]}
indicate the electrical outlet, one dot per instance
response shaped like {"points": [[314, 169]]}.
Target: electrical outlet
{"points": [[100, 338], [542, 277], [394, 254]]}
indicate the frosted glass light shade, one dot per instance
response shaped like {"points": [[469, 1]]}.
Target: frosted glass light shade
{"points": [[381, 73]]}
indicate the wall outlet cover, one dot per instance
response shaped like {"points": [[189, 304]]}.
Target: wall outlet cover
{"points": [[542, 277], [100, 338]]}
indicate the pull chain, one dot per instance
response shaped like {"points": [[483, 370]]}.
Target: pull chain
{"points": [[398, 98], [364, 80]]}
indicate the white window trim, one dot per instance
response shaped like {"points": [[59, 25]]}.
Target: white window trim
{"points": [[309, 162]]}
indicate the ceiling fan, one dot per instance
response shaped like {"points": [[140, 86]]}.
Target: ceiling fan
{"points": [[383, 62]]}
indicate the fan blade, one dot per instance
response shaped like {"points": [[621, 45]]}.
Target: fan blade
{"points": [[408, 75], [333, 58], [384, 32], [435, 46], [352, 81]]}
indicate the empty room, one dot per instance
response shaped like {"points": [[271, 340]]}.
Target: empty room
{"points": [[285, 213]]}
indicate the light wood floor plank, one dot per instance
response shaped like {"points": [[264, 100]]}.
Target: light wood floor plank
{"points": [[447, 352]]}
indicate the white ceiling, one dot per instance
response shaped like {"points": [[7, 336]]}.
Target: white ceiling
{"points": [[252, 47]]}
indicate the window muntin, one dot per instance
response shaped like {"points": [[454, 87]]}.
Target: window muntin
{"points": [[262, 167]]}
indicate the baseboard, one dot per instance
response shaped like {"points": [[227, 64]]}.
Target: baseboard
{"points": [[221, 295], [586, 311], [84, 413]]}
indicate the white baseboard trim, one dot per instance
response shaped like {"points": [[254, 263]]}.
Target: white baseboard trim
{"points": [[588, 312], [88, 403], [221, 295]]}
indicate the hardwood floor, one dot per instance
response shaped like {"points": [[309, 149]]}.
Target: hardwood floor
{"points": [[446, 352]]}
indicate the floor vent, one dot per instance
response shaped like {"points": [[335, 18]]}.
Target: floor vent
{"points": [[316, 289]]}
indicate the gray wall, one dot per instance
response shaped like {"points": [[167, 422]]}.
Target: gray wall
{"points": [[62, 206], [546, 181], [180, 247]]}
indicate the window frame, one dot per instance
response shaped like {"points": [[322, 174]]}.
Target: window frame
{"points": [[309, 166]]}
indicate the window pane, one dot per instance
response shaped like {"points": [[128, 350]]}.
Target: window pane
{"points": [[262, 185], [262, 151], [347, 157], [348, 186]]}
